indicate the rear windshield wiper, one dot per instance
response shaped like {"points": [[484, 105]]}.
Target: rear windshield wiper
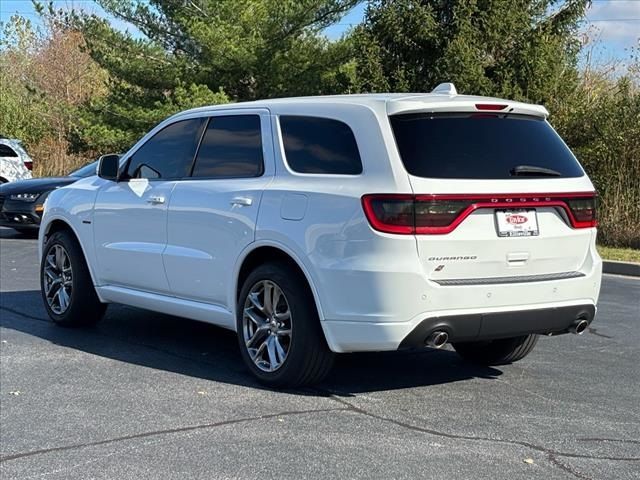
{"points": [[533, 171]]}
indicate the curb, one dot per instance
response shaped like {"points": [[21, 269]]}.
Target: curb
{"points": [[621, 268]]}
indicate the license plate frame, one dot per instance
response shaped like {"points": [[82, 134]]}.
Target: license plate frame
{"points": [[517, 227]]}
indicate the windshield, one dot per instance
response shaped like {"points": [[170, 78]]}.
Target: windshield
{"points": [[86, 171], [480, 145]]}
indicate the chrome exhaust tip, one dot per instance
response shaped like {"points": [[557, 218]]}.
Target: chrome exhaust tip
{"points": [[579, 327], [437, 339]]}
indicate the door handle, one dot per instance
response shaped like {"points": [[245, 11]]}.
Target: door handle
{"points": [[155, 200], [243, 201]]}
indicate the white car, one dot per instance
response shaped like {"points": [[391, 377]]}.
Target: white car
{"points": [[15, 162], [321, 225]]}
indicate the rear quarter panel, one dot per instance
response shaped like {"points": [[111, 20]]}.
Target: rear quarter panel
{"points": [[319, 217]]}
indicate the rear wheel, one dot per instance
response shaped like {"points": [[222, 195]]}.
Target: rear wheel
{"points": [[279, 332], [497, 352], [66, 285]]}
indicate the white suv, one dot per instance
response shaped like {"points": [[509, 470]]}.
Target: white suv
{"points": [[313, 226], [15, 162]]}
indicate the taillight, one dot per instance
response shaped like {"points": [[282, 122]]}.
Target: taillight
{"points": [[583, 211], [433, 213], [410, 214], [28, 164], [390, 213], [490, 106], [441, 213]]}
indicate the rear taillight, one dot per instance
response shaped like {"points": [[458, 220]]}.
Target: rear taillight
{"points": [[439, 214], [490, 106], [28, 164], [583, 211], [390, 213], [433, 213], [411, 214]]}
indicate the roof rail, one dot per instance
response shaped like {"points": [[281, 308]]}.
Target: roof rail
{"points": [[445, 88]]}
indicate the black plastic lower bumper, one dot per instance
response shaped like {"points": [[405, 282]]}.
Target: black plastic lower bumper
{"points": [[487, 326], [20, 224], [19, 215]]}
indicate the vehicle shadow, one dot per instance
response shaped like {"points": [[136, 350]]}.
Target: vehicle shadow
{"points": [[10, 233], [204, 351]]}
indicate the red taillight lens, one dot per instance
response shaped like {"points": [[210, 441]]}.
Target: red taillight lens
{"points": [[442, 213], [390, 213], [583, 211], [29, 165], [490, 106], [408, 214], [437, 213]]}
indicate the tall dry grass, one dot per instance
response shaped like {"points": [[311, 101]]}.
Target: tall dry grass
{"points": [[51, 158], [601, 123]]}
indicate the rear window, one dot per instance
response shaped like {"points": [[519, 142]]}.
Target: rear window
{"points": [[320, 145], [481, 146], [231, 148], [7, 151]]}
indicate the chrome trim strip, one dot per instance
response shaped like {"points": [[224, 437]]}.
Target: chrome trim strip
{"points": [[456, 282]]}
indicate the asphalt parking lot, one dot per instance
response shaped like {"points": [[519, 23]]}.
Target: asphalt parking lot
{"points": [[145, 395]]}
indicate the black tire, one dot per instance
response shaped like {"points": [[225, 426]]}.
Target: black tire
{"points": [[309, 359], [497, 352], [84, 308]]}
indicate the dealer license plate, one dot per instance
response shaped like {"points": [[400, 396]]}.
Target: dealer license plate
{"points": [[517, 223]]}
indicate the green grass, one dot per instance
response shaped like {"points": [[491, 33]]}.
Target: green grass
{"points": [[622, 254]]}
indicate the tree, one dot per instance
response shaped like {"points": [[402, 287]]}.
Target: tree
{"points": [[45, 77], [601, 122], [21, 105], [521, 49], [197, 52]]}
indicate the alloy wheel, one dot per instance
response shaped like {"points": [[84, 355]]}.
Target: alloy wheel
{"points": [[58, 279], [266, 326]]}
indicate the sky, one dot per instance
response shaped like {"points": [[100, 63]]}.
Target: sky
{"points": [[614, 23]]}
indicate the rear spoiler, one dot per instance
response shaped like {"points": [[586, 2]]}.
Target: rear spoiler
{"points": [[445, 99], [426, 104]]}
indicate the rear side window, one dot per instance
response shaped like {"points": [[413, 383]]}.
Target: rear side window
{"points": [[169, 153], [231, 148], [7, 151], [483, 146], [320, 145]]}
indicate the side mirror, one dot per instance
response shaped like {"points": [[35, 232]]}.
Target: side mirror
{"points": [[108, 166]]}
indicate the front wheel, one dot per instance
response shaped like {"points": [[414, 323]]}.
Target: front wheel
{"points": [[497, 352], [65, 282], [279, 332]]}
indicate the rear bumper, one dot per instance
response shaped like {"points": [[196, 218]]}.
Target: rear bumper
{"points": [[492, 325], [388, 310], [462, 326]]}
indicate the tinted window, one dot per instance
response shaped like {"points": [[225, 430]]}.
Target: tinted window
{"points": [[7, 151], [320, 145], [481, 146], [169, 153], [231, 147], [86, 171]]}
